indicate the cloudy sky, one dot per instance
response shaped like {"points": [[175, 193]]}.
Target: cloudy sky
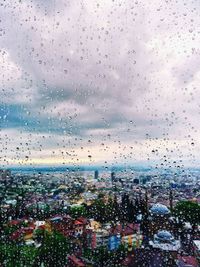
{"points": [[105, 82]]}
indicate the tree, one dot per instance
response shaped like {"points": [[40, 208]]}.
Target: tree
{"points": [[116, 209], [14, 255], [98, 211], [110, 214], [103, 257], [39, 235], [188, 211], [125, 208], [54, 250], [78, 211], [131, 212]]}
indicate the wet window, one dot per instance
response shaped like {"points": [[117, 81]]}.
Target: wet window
{"points": [[99, 133]]}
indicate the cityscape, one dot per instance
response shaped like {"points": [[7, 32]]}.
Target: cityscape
{"points": [[99, 218], [99, 133]]}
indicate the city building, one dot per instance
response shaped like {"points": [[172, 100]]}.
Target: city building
{"points": [[160, 218], [96, 175], [164, 240]]}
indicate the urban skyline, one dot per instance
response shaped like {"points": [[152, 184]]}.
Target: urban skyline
{"points": [[99, 83]]}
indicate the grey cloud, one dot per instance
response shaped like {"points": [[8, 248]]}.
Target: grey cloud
{"points": [[86, 66]]}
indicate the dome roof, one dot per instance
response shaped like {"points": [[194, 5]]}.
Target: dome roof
{"points": [[164, 235], [159, 209]]}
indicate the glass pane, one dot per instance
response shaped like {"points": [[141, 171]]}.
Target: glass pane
{"points": [[99, 133]]}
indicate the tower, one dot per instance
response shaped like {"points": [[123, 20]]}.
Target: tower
{"points": [[96, 175]]}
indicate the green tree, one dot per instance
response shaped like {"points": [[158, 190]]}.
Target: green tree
{"points": [[98, 211], [13, 255], [188, 211], [54, 250], [78, 211], [39, 235], [103, 257]]}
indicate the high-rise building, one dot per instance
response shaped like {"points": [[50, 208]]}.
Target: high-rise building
{"points": [[96, 175]]}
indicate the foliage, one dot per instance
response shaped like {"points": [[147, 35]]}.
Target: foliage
{"points": [[189, 211], [98, 210], [13, 255], [8, 230], [39, 235], [103, 257], [111, 211], [54, 250], [78, 211]]}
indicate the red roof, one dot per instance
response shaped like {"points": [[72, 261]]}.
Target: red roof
{"points": [[14, 222], [128, 229], [188, 260], [20, 232], [42, 227], [75, 261], [16, 235], [77, 222], [83, 220]]}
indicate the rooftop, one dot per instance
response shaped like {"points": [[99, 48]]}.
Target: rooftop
{"points": [[159, 209]]}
